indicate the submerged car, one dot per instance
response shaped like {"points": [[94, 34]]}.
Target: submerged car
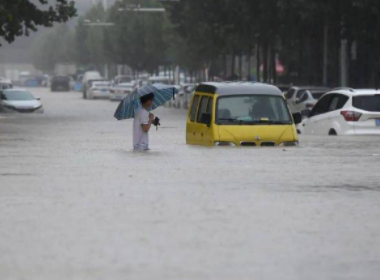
{"points": [[344, 112], [61, 83], [240, 114], [19, 100], [120, 91], [99, 90]]}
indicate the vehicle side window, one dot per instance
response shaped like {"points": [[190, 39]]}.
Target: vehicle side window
{"points": [[194, 107], [290, 93], [304, 97], [300, 93], [342, 101], [334, 103], [322, 106], [210, 106], [202, 108]]}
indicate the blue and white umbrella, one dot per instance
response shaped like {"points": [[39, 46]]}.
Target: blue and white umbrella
{"points": [[162, 94]]}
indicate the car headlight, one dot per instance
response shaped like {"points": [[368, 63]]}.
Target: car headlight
{"points": [[225, 144], [289, 144]]}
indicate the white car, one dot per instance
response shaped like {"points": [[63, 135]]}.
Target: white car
{"points": [[86, 82], [19, 100], [119, 92], [344, 112], [99, 90], [301, 98]]}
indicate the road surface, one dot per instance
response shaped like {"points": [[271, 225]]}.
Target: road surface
{"points": [[76, 203]]}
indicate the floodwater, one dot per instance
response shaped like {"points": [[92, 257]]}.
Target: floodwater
{"points": [[76, 203]]}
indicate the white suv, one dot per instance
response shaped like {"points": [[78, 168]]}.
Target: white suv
{"points": [[344, 112]]}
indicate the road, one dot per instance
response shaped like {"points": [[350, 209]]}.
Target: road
{"points": [[76, 203]]}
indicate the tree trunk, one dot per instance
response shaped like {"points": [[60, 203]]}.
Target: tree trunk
{"points": [[258, 63], [265, 57]]}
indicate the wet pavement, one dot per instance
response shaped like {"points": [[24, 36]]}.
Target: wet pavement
{"points": [[77, 203]]}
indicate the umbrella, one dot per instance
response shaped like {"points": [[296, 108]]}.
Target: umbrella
{"points": [[162, 94]]}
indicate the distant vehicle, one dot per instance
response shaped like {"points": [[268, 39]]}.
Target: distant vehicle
{"points": [[19, 100], [122, 80], [183, 97], [294, 95], [99, 90], [240, 114], [87, 78], [344, 112], [120, 91], [160, 80], [5, 84], [61, 83]]}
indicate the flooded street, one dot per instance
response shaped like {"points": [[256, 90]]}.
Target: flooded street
{"points": [[76, 203]]}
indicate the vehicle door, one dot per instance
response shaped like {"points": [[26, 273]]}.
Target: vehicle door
{"points": [[191, 131], [204, 120], [315, 123]]}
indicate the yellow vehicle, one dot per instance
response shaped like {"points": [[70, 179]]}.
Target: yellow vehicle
{"points": [[240, 114]]}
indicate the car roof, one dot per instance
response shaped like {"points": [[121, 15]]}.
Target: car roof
{"points": [[310, 87], [238, 88], [355, 92]]}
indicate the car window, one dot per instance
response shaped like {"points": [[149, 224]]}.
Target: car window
{"points": [[202, 108], [300, 93], [304, 97], [322, 106], [342, 101], [334, 103], [194, 108], [290, 93], [370, 103]]}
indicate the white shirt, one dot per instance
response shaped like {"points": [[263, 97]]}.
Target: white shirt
{"points": [[140, 137]]}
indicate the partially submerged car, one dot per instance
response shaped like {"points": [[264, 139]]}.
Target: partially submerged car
{"points": [[19, 100], [240, 114]]}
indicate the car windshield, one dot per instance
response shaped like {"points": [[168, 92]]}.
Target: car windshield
{"points": [[19, 95], [369, 103], [252, 109]]}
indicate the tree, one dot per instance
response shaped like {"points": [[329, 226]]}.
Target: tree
{"points": [[53, 47], [137, 39], [19, 17]]}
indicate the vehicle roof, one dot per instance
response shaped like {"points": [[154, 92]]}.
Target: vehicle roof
{"points": [[238, 88], [310, 87], [355, 92], [159, 78]]}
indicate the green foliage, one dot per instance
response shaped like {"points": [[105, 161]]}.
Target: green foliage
{"points": [[53, 47], [137, 38], [19, 17]]}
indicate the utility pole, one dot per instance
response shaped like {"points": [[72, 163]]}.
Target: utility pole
{"points": [[325, 55]]}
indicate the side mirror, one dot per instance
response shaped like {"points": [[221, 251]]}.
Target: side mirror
{"points": [[297, 117], [306, 113], [38, 98], [298, 100], [206, 119]]}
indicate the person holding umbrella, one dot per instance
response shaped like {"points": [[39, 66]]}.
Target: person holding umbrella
{"points": [[142, 123], [138, 105]]}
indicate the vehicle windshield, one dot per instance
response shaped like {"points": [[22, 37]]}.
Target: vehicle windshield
{"points": [[252, 109], [19, 95], [369, 103]]}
